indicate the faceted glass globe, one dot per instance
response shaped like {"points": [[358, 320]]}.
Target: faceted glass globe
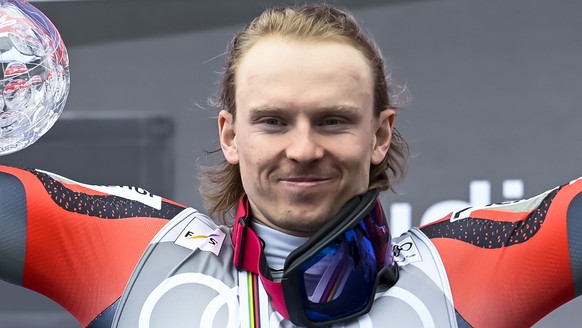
{"points": [[35, 75]]}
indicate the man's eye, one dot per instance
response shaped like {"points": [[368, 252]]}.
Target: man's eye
{"points": [[331, 121], [272, 121]]}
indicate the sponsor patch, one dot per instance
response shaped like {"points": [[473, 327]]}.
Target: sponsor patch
{"points": [[405, 252], [198, 235]]}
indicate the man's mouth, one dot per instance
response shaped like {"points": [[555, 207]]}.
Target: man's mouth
{"points": [[304, 182], [304, 179]]}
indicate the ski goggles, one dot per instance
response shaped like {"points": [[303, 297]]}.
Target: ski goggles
{"points": [[332, 277]]}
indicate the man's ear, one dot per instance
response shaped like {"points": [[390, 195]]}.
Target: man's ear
{"points": [[227, 135], [383, 135]]}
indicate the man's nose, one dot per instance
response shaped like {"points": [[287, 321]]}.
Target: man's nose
{"points": [[304, 146]]}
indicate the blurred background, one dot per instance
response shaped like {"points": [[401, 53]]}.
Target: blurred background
{"points": [[494, 114]]}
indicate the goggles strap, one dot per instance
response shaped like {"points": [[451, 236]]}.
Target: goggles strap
{"points": [[248, 255], [275, 291]]}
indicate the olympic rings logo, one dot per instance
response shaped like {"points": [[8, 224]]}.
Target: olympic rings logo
{"points": [[226, 295]]}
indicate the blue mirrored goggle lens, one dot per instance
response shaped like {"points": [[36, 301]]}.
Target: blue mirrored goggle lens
{"points": [[339, 279]]}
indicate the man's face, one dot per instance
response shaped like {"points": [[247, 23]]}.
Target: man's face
{"points": [[305, 132]]}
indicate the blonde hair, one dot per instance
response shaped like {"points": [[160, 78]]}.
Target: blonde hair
{"points": [[221, 186]]}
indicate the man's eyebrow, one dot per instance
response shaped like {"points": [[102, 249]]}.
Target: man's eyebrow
{"points": [[264, 110], [340, 109]]}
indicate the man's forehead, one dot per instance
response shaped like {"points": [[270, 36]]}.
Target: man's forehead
{"points": [[303, 75]]}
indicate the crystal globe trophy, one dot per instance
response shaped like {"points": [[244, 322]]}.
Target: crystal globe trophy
{"points": [[35, 75]]}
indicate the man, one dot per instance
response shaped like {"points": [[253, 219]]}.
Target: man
{"points": [[307, 131]]}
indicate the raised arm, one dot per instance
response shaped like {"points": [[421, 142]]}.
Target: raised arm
{"points": [[76, 244], [511, 264]]}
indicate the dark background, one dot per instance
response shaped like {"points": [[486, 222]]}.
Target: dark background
{"points": [[495, 85]]}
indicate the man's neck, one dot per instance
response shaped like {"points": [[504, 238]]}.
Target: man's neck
{"points": [[278, 245]]}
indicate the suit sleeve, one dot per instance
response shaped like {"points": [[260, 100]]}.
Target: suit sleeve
{"points": [[511, 264], [76, 244]]}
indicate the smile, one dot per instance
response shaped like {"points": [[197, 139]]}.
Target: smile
{"points": [[305, 182]]}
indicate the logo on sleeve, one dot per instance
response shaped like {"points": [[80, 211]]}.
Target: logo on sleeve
{"points": [[198, 235], [405, 252], [132, 193]]}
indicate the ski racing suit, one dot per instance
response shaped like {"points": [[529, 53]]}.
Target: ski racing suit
{"points": [[121, 257]]}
